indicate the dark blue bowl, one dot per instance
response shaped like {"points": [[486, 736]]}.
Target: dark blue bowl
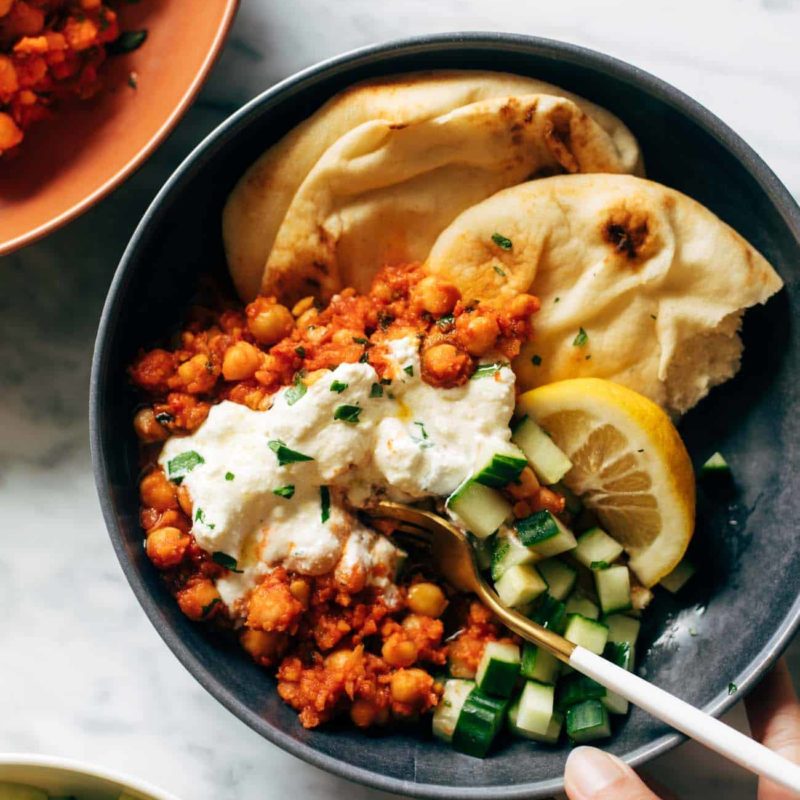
{"points": [[726, 630]]}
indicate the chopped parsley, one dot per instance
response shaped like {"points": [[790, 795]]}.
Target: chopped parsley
{"points": [[338, 387], [127, 42], [295, 392], [502, 241], [347, 413], [224, 560], [210, 607], [180, 466], [360, 340], [536, 361], [732, 689], [386, 381], [164, 417], [485, 370], [588, 358], [325, 503], [557, 300], [286, 455], [581, 339], [285, 491], [199, 516], [363, 358], [376, 390], [446, 321], [229, 476], [501, 272], [409, 370], [301, 351], [421, 426], [653, 316]]}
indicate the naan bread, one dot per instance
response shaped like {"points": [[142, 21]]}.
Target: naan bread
{"points": [[256, 208], [382, 193], [657, 282]]}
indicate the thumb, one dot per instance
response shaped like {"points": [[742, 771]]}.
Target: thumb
{"points": [[591, 774]]}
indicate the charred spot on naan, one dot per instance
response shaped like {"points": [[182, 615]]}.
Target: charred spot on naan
{"points": [[630, 231]]}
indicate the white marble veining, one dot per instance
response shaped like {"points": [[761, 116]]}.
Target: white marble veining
{"points": [[82, 672]]}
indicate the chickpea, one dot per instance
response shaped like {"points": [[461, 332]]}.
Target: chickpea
{"points": [[268, 321], [300, 590], [157, 492], [522, 509], [444, 363], [264, 646], [166, 547], [364, 713], [197, 599], [478, 332], [147, 427], [241, 361], [526, 487], [197, 374], [346, 336], [185, 501], [427, 599], [410, 686], [550, 500], [308, 318], [436, 296], [523, 305], [301, 306], [399, 652], [340, 660]]}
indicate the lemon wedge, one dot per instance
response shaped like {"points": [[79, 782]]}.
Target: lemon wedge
{"points": [[629, 466]]}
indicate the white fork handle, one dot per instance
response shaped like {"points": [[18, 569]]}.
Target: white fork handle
{"points": [[687, 719]]}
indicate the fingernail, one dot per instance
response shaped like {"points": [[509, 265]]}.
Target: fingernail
{"points": [[590, 770]]}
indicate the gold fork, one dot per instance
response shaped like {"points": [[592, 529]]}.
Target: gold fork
{"points": [[453, 556]]}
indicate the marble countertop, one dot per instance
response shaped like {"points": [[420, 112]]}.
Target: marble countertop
{"points": [[82, 672]]}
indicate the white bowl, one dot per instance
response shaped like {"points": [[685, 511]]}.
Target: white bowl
{"points": [[63, 776]]}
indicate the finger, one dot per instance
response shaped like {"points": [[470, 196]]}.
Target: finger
{"points": [[774, 715], [591, 774]]}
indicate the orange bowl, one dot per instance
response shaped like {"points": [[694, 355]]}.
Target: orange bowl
{"points": [[68, 163]]}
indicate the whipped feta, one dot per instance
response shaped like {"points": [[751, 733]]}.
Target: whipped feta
{"points": [[406, 440]]}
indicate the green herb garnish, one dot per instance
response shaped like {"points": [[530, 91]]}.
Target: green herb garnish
{"points": [[207, 609], [224, 560], [360, 340], [580, 339], [376, 390], [446, 321], [502, 241], [732, 689], [409, 370], [363, 358], [338, 387], [127, 42], [325, 502], [229, 476], [295, 392], [386, 381], [421, 426], [199, 516], [499, 271], [347, 413], [164, 418], [180, 466], [286, 455], [285, 491], [301, 351], [485, 370], [536, 361]]}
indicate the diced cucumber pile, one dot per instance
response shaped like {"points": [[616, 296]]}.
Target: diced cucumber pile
{"points": [[580, 587]]}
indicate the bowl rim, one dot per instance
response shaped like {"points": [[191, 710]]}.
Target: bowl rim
{"points": [[781, 200], [124, 172], [85, 768]]}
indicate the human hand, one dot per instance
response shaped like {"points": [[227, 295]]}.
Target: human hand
{"points": [[774, 714]]}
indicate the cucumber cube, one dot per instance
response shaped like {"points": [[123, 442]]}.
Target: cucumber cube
{"points": [[548, 461], [613, 588], [575, 688], [498, 669], [480, 509], [519, 585], [546, 534], [552, 734], [578, 603], [622, 628], [447, 712], [621, 654], [479, 723], [508, 551], [550, 613], [587, 722], [538, 664], [560, 577], [587, 633], [535, 708], [502, 469], [595, 546]]}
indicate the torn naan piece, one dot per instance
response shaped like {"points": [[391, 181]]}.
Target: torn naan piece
{"points": [[638, 283], [258, 204], [383, 193]]}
